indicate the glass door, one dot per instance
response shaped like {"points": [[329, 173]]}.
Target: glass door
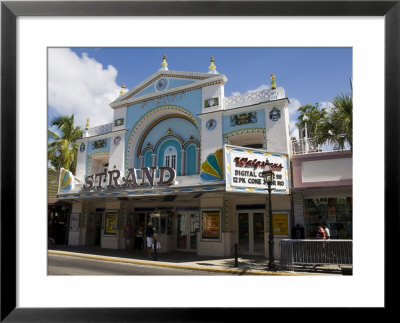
{"points": [[188, 225], [251, 232], [194, 228], [181, 232], [258, 232], [244, 241]]}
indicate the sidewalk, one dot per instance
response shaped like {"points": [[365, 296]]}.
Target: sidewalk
{"points": [[256, 265]]}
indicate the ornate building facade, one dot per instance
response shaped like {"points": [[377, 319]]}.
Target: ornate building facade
{"points": [[181, 154]]}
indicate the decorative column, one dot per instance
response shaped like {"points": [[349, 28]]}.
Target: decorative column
{"points": [[123, 218], [197, 160], [183, 164], [153, 160], [141, 163], [83, 217], [225, 214]]}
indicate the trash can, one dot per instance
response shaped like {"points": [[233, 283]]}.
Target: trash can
{"points": [[298, 232]]}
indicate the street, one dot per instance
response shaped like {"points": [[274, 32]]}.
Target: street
{"points": [[65, 265]]}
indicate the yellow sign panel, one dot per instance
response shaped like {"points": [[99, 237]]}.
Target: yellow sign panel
{"points": [[111, 223], [280, 224]]}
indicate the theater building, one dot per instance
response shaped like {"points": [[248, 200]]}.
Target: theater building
{"points": [[180, 153]]}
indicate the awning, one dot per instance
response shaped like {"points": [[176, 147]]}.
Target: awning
{"points": [[57, 202]]}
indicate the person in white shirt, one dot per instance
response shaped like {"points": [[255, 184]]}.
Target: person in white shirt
{"points": [[327, 233]]}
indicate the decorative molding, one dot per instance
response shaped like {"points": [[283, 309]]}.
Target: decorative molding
{"points": [[194, 141], [122, 104], [100, 143], [243, 118], [275, 114], [211, 124], [250, 98], [157, 121], [100, 130], [211, 102], [119, 122], [192, 77], [143, 122]]}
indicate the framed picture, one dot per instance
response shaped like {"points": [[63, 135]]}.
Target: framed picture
{"points": [[211, 225], [15, 196], [74, 222]]}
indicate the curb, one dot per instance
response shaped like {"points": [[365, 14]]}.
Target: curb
{"points": [[171, 265]]}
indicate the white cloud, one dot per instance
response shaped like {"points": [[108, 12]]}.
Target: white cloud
{"points": [[327, 105], [82, 86], [262, 87]]}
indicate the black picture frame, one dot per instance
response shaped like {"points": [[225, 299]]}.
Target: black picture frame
{"points": [[10, 10]]}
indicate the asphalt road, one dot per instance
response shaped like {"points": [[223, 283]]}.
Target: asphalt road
{"points": [[65, 265]]}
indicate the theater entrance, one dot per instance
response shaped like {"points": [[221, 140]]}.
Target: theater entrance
{"points": [[188, 224], [251, 232]]}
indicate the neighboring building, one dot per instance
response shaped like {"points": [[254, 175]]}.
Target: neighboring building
{"points": [[322, 192], [57, 210], [175, 153]]}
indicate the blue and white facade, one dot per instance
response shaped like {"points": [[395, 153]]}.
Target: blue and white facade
{"points": [[168, 156]]}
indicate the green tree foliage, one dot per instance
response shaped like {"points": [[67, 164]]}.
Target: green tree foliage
{"points": [[62, 150], [337, 127], [316, 117]]}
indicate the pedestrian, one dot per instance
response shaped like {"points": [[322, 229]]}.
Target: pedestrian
{"points": [[320, 234], [139, 239], [327, 232], [127, 234], [149, 237], [320, 247]]}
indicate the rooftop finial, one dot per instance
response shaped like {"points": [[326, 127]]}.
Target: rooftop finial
{"points": [[273, 84], [122, 89], [212, 68], [164, 64], [87, 123]]}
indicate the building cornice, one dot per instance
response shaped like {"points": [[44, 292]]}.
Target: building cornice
{"points": [[151, 79], [240, 109], [102, 136], [126, 101]]}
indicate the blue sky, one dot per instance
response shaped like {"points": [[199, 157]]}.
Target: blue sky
{"points": [[84, 81]]}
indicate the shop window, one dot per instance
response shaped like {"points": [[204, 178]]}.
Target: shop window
{"points": [[162, 223], [336, 212]]}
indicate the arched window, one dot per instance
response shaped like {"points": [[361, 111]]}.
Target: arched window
{"points": [[190, 154], [170, 157]]}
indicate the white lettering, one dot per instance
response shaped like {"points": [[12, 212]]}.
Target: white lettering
{"points": [[148, 178]]}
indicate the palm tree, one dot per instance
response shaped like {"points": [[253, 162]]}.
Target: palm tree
{"points": [[63, 149], [337, 127]]}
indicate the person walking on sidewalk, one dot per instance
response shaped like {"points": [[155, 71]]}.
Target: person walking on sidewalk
{"points": [[128, 235], [139, 239], [149, 237], [327, 232], [320, 233]]}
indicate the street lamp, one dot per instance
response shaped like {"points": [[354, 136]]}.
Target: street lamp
{"points": [[268, 176], [305, 119]]}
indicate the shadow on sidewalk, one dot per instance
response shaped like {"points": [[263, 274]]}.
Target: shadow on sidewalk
{"points": [[245, 262]]}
